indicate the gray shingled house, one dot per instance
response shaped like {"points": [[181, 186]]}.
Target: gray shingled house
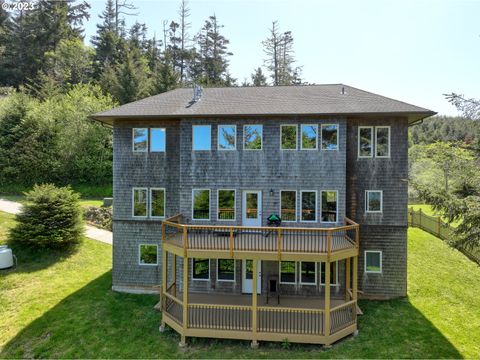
{"points": [[261, 211]]}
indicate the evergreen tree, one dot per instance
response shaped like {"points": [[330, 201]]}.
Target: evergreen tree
{"points": [[185, 52], [258, 79]]}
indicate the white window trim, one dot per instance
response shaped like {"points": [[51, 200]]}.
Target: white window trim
{"points": [[389, 138], [234, 205], [301, 136], [280, 274], [234, 272], [209, 205], [371, 141], [296, 137], [367, 192], [321, 137], [140, 254], [193, 137], [300, 274], [296, 205], [336, 274], [316, 206], [191, 271], [244, 148], [321, 207], [381, 261], [133, 141], [150, 203], [218, 137], [150, 142], [133, 203]]}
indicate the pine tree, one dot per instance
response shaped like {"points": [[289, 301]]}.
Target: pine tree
{"points": [[258, 79], [271, 47], [185, 53]]}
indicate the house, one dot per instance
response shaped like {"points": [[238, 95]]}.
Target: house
{"points": [[197, 174]]}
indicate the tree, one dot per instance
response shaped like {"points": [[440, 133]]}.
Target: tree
{"points": [[185, 53], [51, 217], [258, 79], [271, 48], [470, 107], [165, 78]]}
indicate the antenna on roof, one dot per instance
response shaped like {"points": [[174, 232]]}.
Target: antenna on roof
{"points": [[343, 90], [197, 93]]}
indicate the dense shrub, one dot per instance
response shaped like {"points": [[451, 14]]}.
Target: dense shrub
{"points": [[51, 217], [99, 216]]}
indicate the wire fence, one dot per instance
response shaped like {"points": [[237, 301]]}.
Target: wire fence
{"points": [[437, 227]]}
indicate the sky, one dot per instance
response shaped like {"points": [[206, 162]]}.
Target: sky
{"points": [[414, 51]]}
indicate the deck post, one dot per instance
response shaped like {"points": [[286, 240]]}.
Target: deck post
{"points": [[174, 274], [355, 278], [254, 303], [185, 301], [347, 279], [327, 300], [164, 284]]}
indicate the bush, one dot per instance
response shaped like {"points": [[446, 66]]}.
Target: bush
{"points": [[101, 217], [51, 217]]}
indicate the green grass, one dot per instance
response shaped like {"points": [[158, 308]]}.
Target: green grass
{"points": [[60, 305], [86, 190], [428, 210], [83, 202]]}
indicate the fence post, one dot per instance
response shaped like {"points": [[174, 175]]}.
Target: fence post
{"points": [[439, 224], [420, 218]]}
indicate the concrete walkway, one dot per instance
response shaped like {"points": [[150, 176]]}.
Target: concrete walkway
{"points": [[91, 232]]}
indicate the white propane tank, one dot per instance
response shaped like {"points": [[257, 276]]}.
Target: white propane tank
{"points": [[6, 257]]}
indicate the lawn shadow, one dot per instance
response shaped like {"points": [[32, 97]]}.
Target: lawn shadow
{"points": [[95, 322]]}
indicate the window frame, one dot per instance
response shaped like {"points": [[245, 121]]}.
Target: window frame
{"points": [[234, 272], [380, 252], [321, 207], [296, 205], [301, 206], [193, 268], [261, 137], [218, 137], [150, 139], [337, 283], [321, 136], [234, 205], [296, 137], [300, 274], [140, 254], [193, 137], [367, 192], [372, 140], [146, 205], [280, 274], [209, 204], [133, 140], [150, 197], [389, 141], [301, 137]]}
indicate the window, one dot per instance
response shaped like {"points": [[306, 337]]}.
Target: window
{"points": [[333, 273], [373, 201], [252, 137], [329, 206], [227, 137], [201, 204], [201, 269], [140, 140], [147, 254], [201, 139], [288, 272], [157, 140], [308, 273], [309, 137], [309, 206], [157, 202], [365, 141], [139, 202], [288, 205], [330, 137], [226, 204], [225, 270], [382, 141], [288, 137], [373, 261]]}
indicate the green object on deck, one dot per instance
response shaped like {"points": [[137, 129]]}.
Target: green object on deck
{"points": [[273, 217]]}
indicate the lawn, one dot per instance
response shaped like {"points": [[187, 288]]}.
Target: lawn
{"points": [[428, 210], [85, 202], [60, 305]]}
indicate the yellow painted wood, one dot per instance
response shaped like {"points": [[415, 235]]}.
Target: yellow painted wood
{"points": [[173, 298], [355, 278], [174, 273], [327, 299], [347, 278], [254, 297], [164, 280], [231, 242], [185, 293]]}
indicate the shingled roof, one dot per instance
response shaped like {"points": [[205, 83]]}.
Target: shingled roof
{"points": [[264, 101]]}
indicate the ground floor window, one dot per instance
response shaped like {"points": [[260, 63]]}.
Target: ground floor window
{"points": [[288, 272], [226, 270], [329, 206], [333, 273], [201, 269], [373, 261], [148, 254], [308, 273]]}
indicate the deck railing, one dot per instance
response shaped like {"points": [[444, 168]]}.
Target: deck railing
{"points": [[290, 320], [268, 239]]}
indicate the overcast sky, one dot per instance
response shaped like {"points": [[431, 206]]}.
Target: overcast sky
{"points": [[413, 51]]}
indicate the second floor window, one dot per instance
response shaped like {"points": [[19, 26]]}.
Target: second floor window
{"points": [[157, 202], [309, 137], [330, 137], [157, 139], [227, 135], [288, 137], [365, 141], [201, 204], [201, 138], [373, 141], [373, 201], [382, 141], [139, 200], [252, 137], [140, 139]]}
